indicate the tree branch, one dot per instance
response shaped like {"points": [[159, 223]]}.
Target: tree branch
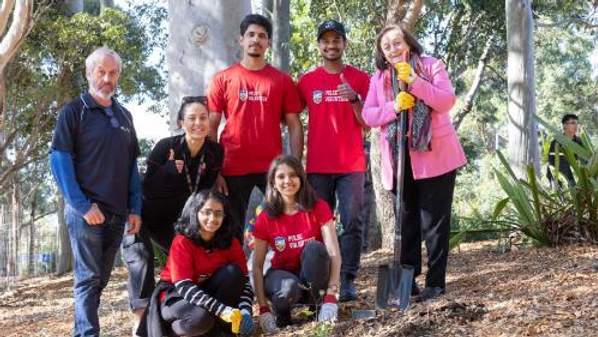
{"points": [[5, 9], [472, 93], [19, 28]]}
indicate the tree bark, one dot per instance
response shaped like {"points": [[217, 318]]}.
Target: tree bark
{"points": [[404, 12], [477, 81], [15, 204], [22, 21], [203, 39], [523, 138], [64, 254], [281, 35], [384, 201], [31, 242], [106, 4]]}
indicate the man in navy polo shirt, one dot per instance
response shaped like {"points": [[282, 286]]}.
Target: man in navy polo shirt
{"points": [[93, 160]]}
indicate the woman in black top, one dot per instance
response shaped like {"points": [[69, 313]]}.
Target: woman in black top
{"points": [[177, 167]]}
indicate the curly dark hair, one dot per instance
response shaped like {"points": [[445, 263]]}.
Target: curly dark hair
{"points": [[188, 223], [306, 196]]}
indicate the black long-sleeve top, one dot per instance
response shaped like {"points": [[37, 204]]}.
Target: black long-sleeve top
{"points": [[165, 190]]}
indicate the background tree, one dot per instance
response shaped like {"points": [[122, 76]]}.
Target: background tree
{"points": [[203, 39], [522, 131]]}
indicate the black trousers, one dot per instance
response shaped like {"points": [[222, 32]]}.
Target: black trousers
{"points": [[138, 254], [187, 319], [428, 204], [239, 191], [285, 289]]}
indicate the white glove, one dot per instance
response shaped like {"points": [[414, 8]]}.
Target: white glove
{"points": [[328, 312], [268, 323]]}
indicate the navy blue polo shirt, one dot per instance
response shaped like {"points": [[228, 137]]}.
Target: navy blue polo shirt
{"points": [[103, 154]]}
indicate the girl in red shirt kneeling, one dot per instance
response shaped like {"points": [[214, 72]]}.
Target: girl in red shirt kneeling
{"points": [[205, 278], [301, 231]]}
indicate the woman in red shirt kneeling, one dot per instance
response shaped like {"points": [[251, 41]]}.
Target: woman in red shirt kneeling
{"points": [[205, 278], [301, 231]]}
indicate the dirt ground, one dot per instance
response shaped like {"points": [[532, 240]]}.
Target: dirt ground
{"points": [[525, 292]]}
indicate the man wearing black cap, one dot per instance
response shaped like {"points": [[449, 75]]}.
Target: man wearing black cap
{"points": [[335, 158]]}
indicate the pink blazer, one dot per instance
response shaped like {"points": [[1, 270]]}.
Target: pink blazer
{"points": [[447, 153]]}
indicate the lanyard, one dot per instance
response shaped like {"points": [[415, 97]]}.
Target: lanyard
{"points": [[193, 188]]}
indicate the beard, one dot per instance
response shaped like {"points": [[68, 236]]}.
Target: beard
{"points": [[333, 59], [101, 92]]}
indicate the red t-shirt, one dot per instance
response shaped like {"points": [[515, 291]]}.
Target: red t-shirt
{"points": [[254, 104], [288, 234], [187, 260], [334, 139]]}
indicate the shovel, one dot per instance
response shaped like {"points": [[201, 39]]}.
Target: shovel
{"points": [[395, 281]]}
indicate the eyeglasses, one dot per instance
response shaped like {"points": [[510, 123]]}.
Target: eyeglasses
{"points": [[113, 121], [210, 212]]}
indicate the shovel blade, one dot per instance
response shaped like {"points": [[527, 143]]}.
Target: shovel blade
{"points": [[385, 284], [402, 290], [363, 314]]}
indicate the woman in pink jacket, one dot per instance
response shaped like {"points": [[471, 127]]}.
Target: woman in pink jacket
{"points": [[434, 151]]}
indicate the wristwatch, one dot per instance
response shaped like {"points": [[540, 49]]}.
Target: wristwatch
{"points": [[356, 99]]}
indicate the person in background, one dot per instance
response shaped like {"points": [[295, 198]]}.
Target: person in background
{"points": [[570, 125]]}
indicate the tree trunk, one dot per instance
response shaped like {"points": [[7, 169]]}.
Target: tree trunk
{"points": [[31, 243], [4, 230], [263, 7], [203, 39], [22, 20], [64, 254], [72, 7], [384, 201], [477, 81], [523, 138], [15, 204], [281, 35], [106, 4]]}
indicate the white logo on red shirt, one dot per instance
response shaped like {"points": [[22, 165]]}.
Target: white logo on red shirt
{"points": [[251, 95], [280, 243], [243, 95], [317, 96]]}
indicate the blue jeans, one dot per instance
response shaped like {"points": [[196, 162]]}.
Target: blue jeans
{"points": [[94, 249], [347, 189]]}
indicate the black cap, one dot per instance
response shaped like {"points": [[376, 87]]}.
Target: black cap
{"points": [[332, 25]]}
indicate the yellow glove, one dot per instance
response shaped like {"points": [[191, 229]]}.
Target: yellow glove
{"points": [[405, 72], [404, 101], [232, 316]]}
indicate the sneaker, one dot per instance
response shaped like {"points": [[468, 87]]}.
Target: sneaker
{"points": [[429, 293], [348, 291]]}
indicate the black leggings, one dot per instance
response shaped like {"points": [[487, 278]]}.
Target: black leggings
{"points": [[285, 289], [187, 319]]}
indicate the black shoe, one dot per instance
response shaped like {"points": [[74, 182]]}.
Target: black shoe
{"points": [[429, 293], [283, 319], [415, 289], [348, 291]]}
